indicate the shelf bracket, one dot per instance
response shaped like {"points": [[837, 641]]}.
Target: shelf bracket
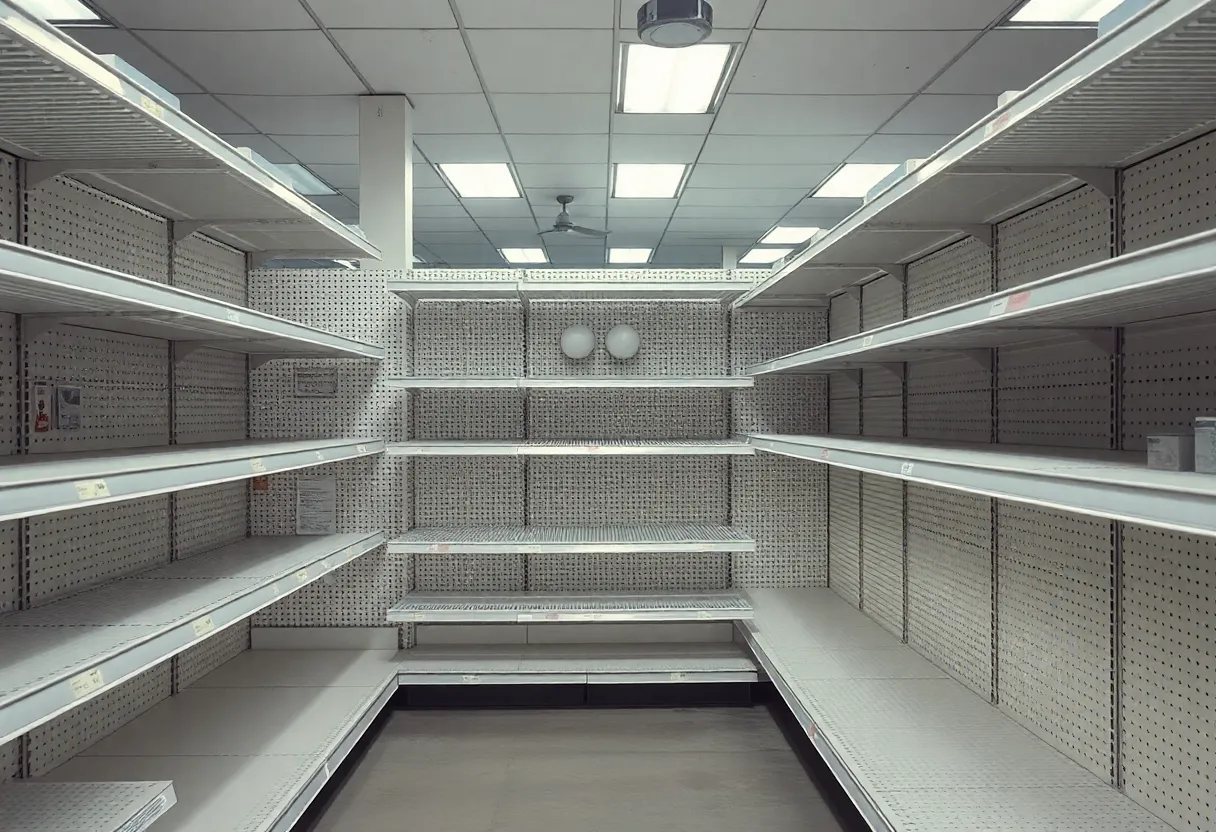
{"points": [[854, 292], [184, 349], [983, 232], [185, 228], [256, 361], [257, 259], [38, 324], [853, 376], [36, 173], [982, 359], [1104, 339], [1101, 179], [899, 271]]}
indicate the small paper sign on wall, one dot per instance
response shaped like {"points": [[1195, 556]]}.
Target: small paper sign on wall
{"points": [[317, 505], [317, 383]]}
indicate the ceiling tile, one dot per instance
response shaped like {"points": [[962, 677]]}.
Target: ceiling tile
{"points": [[668, 123], [577, 256], [572, 240], [640, 226], [825, 208], [310, 115], [676, 238], [570, 149], [520, 238], [562, 176], [471, 147], [450, 238], [124, 45], [728, 14], [260, 145], [453, 210], [810, 62], [213, 115], [688, 256], [410, 60], [337, 176], [657, 149], [882, 14], [384, 14], [640, 207], [259, 63], [764, 214], [887, 148], [742, 196], [535, 14], [805, 115], [502, 224], [479, 208], [425, 176], [422, 224], [213, 14], [732, 227], [452, 113], [351, 193], [1011, 59], [559, 113], [940, 114], [758, 176], [565, 60], [637, 239], [435, 196], [483, 255], [333, 150], [544, 199], [780, 150]]}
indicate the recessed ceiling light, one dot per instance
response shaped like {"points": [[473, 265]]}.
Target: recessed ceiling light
{"points": [[629, 255], [647, 181], [305, 181], [1064, 11], [789, 235], [60, 11], [523, 255], [481, 181], [764, 255], [853, 181], [672, 80]]}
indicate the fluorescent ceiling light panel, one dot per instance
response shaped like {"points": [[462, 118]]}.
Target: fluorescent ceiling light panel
{"points": [[672, 80], [523, 255], [788, 235], [305, 181], [853, 181], [629, 255], [764, 255], [56, 11], [1064, 11], [647, 181], [481, 181]]}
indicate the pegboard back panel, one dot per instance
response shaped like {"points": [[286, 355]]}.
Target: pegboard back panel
{"points": [[950, 582], [600, 490], [628, 414], [354, 595], [1069, 232], [208, 518], [761, 334], [950, 399], [470, 573], [685, 275], [208, 267], [457, 275], [363, 405], [470, 414], [781, 404], [195, 662], [882, 302], [10, 760], [686, 338], [124, 388], [844, 317], [10, 566], [371, 497], [844, 539], [211, 397], [628, 573], [64, 737], [1058, 393], [957, 273], [1168, 197], [844, 414], [882, 551], [782, 503], [1169, 674], [1054, 621], [65, 217], [1168, 373], [69, 552], [882, 416], [458, 490], [469, 338], [9, 398], [10, 199]]}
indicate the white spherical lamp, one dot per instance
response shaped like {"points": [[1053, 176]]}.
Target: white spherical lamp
{"points": [[623, 342], [577, 342]]}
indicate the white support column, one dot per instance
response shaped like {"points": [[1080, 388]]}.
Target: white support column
{"points": [[730, 258], [386, 178]]}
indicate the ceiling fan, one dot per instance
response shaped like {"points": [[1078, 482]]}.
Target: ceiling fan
{"points": [[565, 225]]}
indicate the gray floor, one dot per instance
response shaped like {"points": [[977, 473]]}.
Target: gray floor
{"points": [[700, 770]]}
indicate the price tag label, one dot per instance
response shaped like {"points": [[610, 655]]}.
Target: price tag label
{"points": [[703, 614], [326, 769], [257, 466], [415, 616], [1018, 302], [325, 567], [470, 679], [679, 676], [151, 106], [233, 316], [302, 575], [867, 341], [361, 449], [320, 456], [202, 626], [906, 468], [86, 683], [352, 553], [595, 449], [92, 490], [824, 453], [438, 547], [998, 307], [525, 616]]}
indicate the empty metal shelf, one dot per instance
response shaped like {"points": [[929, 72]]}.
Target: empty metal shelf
{"points": [[537, 607], [530, 540]]}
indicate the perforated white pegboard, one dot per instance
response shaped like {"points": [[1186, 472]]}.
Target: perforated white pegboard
{"points": [[950, 399], [882, 302], [628, 414], [950, 582], [71, 551], [460, 490], [9, 398], [953, 275], [844, 414], [1067, 233], [781, 404], [469, 414], [882, 551], [478, 275], [1168, 370], [364, 407], [599, 490], [10, 760], [64, 217], [1169, 674], [9, 198], [63, 737], [690, 275], [782, 503], [762, 334], [473, 338], [1054, 614], [627, 573], [470, 573], [844, 540], [372, 496], [208, 518], [882, 404], [202, 265], [1056, 393], [195, 662], [1169, 197], [211, 397], [354, 595], [844, 317], [10, 566]]}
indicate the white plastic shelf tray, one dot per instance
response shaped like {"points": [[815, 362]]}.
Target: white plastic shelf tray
{"points": [[71, 807], [413, 291], [58, 656], [573, 383], [1112, 484], [70, 112], [1128, 95], [51, 290], [535, 540], [591, 447], [543, 607]]}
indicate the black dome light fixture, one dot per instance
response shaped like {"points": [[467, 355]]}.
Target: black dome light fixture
{"points": [[673, 24]]}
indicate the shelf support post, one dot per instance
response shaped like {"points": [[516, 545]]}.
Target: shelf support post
{"points": [[386, 178]]}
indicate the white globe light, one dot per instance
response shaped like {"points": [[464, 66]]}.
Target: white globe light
{"points": [[623, 342], [578, 341]]}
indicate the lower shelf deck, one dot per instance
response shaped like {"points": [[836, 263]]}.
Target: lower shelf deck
{"points": [[542, 607], [97, 807]]}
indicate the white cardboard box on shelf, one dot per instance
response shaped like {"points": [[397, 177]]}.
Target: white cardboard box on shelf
{"points": [[1171, 452], [1205, 444]]}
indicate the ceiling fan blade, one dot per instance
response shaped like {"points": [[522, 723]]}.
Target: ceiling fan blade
{"points": [[590, 232], [549, 231]]}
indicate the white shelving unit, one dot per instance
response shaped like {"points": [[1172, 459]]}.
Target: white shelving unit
{"points": [[413, 291], [555, 447], [98, 807], [78, 116], [1107, 107], [60, 655], [539, 540], [575, 383], [552, 607], [42, 483]]}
